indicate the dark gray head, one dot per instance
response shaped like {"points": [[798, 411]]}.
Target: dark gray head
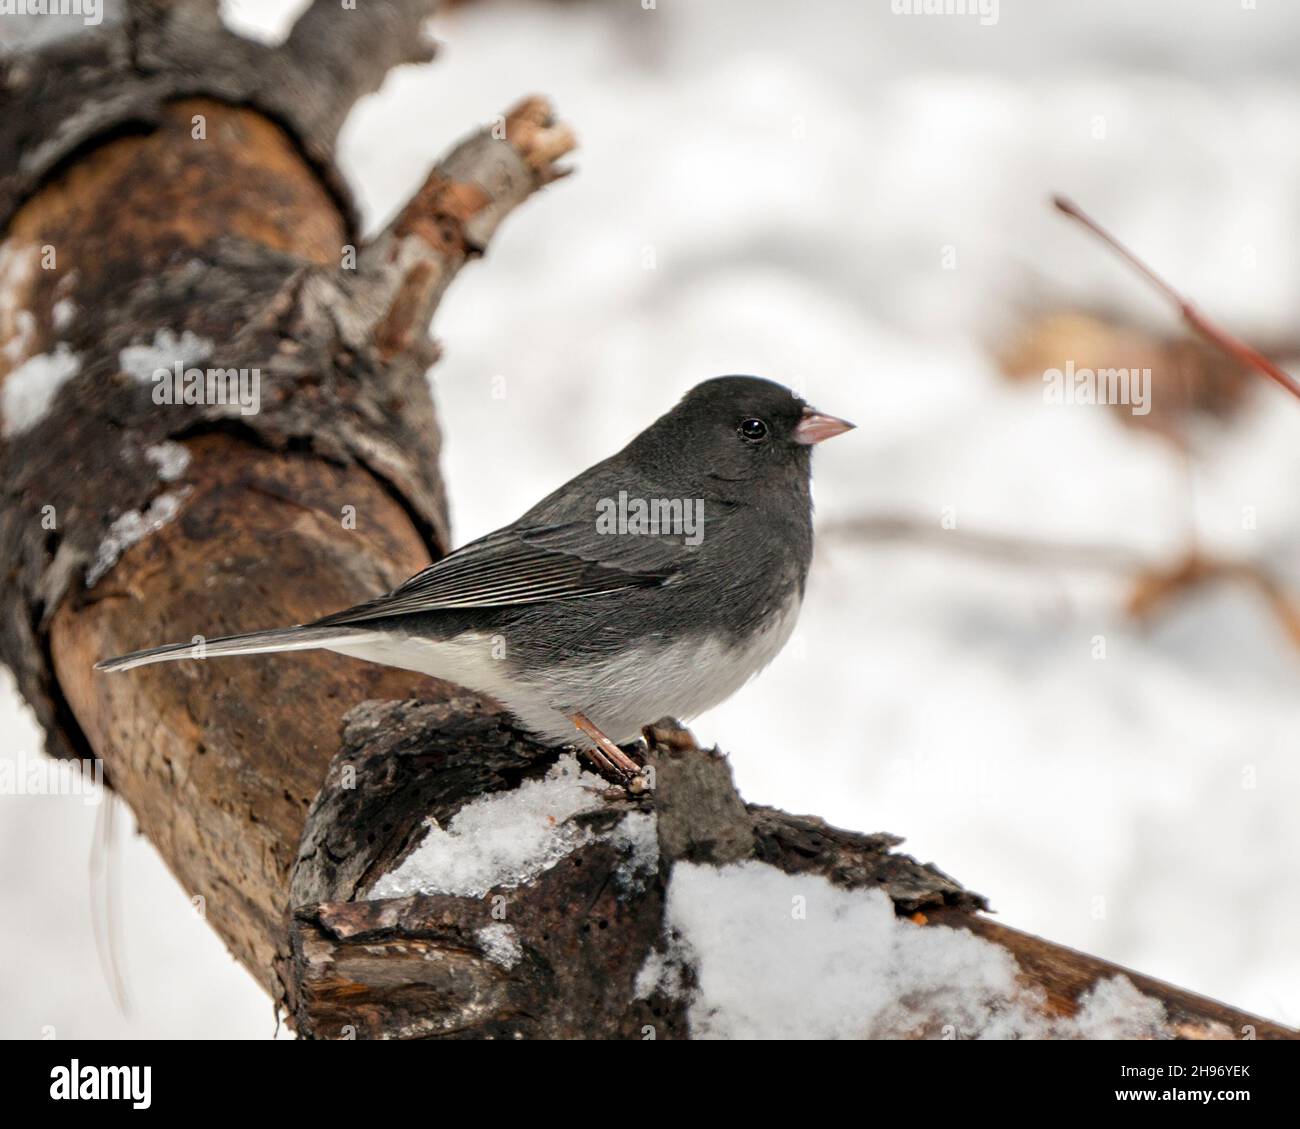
{"points": [[735, 429]]}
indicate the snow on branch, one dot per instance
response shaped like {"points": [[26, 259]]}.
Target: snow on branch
{"points": [[512, 893]]}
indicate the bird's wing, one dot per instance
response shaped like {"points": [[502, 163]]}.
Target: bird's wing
{"points": [[525, 566]]}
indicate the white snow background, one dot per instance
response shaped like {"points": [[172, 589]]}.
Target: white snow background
{"points": [[797, 172]]}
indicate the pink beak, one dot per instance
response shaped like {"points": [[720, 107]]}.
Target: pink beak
{"points": [[816, 427]]}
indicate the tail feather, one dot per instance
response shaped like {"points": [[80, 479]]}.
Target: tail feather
{"points": [[252, 643]]}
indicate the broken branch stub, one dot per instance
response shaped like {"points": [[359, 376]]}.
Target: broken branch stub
{"points": [[407, 267]]}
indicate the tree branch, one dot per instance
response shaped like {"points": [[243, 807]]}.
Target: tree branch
{"points": [[568, 952], [344, 54], [76, 92], [206, 240], [406, 269]]}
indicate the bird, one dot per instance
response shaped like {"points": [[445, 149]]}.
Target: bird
{"points": [[654, 584]]}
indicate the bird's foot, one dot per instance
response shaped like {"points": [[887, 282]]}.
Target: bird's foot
{"points": [[610, 761]]}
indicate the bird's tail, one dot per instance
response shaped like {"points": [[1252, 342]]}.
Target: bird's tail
{"points": [[253, 643]]}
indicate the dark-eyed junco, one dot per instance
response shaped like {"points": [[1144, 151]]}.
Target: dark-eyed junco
{"points": [[654, 584]]}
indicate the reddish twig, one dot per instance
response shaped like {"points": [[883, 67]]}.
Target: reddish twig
{"points": [[1232, 346]]}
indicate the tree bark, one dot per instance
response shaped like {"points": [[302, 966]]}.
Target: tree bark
{"points": [[171, 199], [203, 232]]}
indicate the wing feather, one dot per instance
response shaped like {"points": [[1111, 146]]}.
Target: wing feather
{"points": [[512, 567]]}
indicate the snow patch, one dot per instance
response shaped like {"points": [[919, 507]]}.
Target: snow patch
{"points": [[775, 955], [142, 361], [500, 944], [508, 838], [169, 458], [24, 323], [17, 269], [502, 839], [659, 973], [637, 837], [63, 313], [1115, 1009], [132, 527], [29, 391]]}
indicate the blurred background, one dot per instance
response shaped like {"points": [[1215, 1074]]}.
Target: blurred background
{"points": [[1055, 646]]}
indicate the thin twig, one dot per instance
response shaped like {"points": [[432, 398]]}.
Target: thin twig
{"points": [[989, 545], [1154, 583], [1221, 338]]}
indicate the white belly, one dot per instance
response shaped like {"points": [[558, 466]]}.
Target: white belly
{"points": [[620, 695]]}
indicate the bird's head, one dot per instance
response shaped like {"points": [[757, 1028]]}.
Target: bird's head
{"points": [[743, 428]]}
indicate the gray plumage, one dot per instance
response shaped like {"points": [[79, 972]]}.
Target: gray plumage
{"points": [[553, 617]]}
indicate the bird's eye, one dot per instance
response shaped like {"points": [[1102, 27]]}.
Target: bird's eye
{"points": [[755, 430]]}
